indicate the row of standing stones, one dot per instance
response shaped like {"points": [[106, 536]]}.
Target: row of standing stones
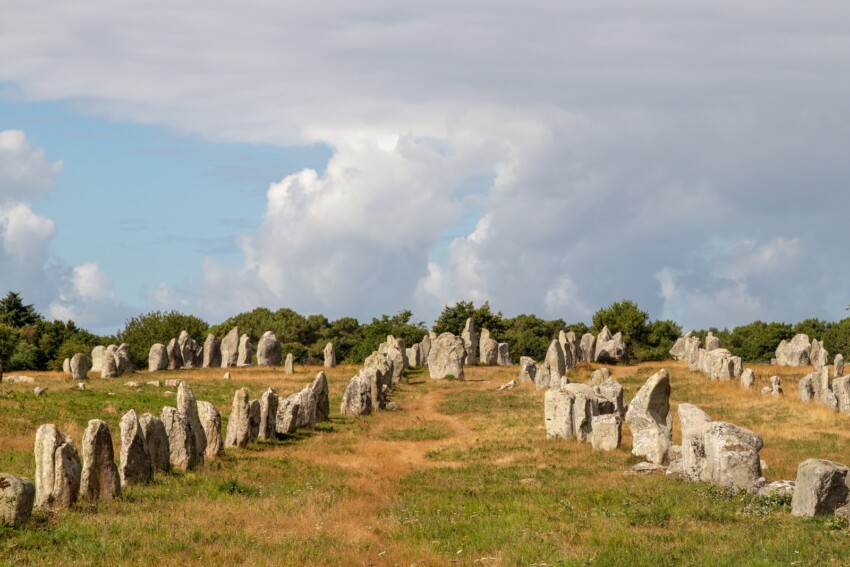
{"points": [[179, 438]]}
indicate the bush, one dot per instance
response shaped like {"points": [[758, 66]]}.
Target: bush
{"points": [[144, 331], [453, 319], [529, 335], [25, 357], [624, 317], [757, 341]]}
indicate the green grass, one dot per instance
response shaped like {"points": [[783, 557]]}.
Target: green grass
{"points": [[421, 430]]}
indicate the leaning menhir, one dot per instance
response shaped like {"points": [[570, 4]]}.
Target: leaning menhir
{"points": [[649, 419]]}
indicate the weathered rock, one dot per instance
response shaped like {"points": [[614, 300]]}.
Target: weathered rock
{"points": [[330, 355], [181, 439], [711, 342], [470, 343], [39, 391], [588, 347], [100, 479], [157, 358], [134, 463], [678, 350], [288, 367], [447, 357], [357, 398], [586, 405], [555, 358], [841, 389], [599, 375], [748, 378], [80, 366], [425, 349], [230, 348], [211, 424], [109, 367], [731, 455], [806, 388], [156, 442], [558, 413], [187, 405], [572, 350], [66, 368], [268, 350], [288, 410], [175, 355], [503, 355], [212, 352], [17, 496], [775, 386], [132, 384], [488, 349], [694, 424], [610, 349], [546, 377], [268, 414], [393, 357], [254, 418], [227, 376], [649, 419], [414, 356], [646, 469], [778, 488], [821, 488], [818, 356], [794, 352], [507, 386], [612, 391], [606, 432], [527, 369], [97, 358], [188, 350], [245, 354], [319, 389]]}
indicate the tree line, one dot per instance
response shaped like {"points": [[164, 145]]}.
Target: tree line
{"points": [[28, 341]]}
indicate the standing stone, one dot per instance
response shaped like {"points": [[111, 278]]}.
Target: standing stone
{"points": [[268, 414], [108, 368], [230, 348], [181, 439], [134, 461], [775, 386], [330, 355], [319, 389], [288, 369], [588, 347], [609, 348], [66, 366], [748, 378], [606, 432], [157, 358], [357, 398], [838, 366], [503, 354], [565, 349], [819, 356], [572, 354], [287, 415], [732, 456], [599, 376], [555, 359], [156, 442], [390, 349], [57, 469], [211, 424], [841, 391], [245, 354], [488, 348], [821, 488], [694, 424], [794, 353], [175, 356], [268, 350], [187, 405], [612, 391], [711, 342], [80, 366], [212, 352], [470, 343], [546, 377], [558, 413], [414, 356], [527, 369], [649, 419], [188, 350], [678, 350], [446, 358], [806, 387], [239, 426], [425, 349], [97, 358], [17, 496], [254, 418], [100, 478]]}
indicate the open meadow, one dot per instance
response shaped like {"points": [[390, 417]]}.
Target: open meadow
{"points": [[461, 474]]}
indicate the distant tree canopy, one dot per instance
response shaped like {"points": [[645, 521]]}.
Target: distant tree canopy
{"points": [[143, 331], [15, 314]]}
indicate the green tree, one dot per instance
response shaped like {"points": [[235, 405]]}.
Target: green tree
{"points": [[659, 338], [623, 317], [373, 334], [143, 331], [15, 313], [813, 328], [757, 341], [836, 339], [453, 319], [529, 335]]}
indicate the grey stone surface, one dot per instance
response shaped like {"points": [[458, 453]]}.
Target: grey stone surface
{"points": [[211, 424], [187, 405], [288, 368], [555, 358], [447, 357], [731, 456], [588, 347], [97, 358], [80, 366], [268, 350], [320, 391], [821, 488], [212, 352], [838, 366], [156, 442], [546, 377], [57, 469], [558, 413], [794, 352], [157, 357], [181, 439], [254, 418], [711, 342], [503, 354], [678, 350], [357, 398], [268, 414], [330, 355], [175, 355], [609, 348], [748, 378], [694, 423], [606, 432], [17, 496], [288, 410], [245, 353], [189, 350], [230, 348], [99, 479], [134, 463], [66, 366], [488, 349], [649, 419], [108, 367], [470, 343], [612, 391]]}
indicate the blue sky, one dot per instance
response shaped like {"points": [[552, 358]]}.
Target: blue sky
{"points": [[360, 159]]}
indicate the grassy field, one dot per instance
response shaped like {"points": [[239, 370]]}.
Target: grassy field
{"points": [[462, 475]]}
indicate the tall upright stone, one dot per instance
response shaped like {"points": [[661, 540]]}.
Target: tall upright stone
{"points": [[488, 349], [108, 367], [425, 349], [649, 419], [732, 456], [588, 347], [268, 350], [527, 369], [609, 348], [57, 469], [239, 426], [157, 358], [100, 479], [446, 357], [245, 354], [187, 405], [156, 442], [288, 366], [80, 366], [175, 356], [268, 414], [211, 424], [97, 358], [134, 463], [470, 343], [555, 358], [694, 424], [558, 413], [838, 366], [230, 348], [357, 398], [711, 342], [503, 355], [319, 390], [330, 355], [181, 439], [188, 350], [212, 352]]}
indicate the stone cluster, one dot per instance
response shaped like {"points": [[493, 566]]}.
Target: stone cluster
{"points": [[715, 362], [111, 361]]}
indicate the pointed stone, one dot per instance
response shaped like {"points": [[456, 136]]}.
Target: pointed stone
{"points": [[134, 463], [211, 424], [187, 405], [238, 425], [100, 479]]}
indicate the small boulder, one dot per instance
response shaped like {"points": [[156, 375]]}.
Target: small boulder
{"points": [[17, 496], [821, 488]]}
